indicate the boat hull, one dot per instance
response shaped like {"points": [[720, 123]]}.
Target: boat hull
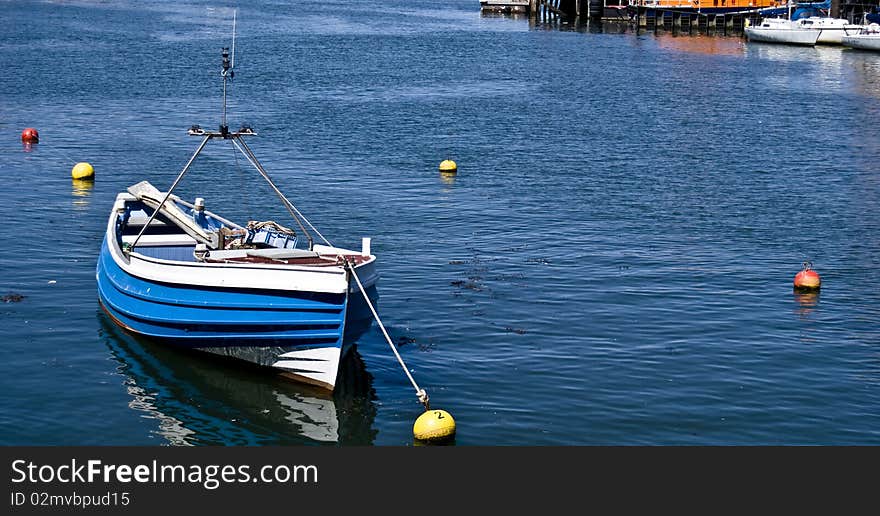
{"points": [[803, 37], [831, 30], [862, 42], [303, 334], [834, 36]]}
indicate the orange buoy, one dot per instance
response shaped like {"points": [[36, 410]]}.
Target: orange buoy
{"points": [[807, 279], [30, 135]]}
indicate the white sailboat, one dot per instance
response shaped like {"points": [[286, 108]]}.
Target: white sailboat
{"points": [[867, 39], [804, 26], [781, 30], [831, 30]]}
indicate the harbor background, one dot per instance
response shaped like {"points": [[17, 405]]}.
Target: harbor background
{"points": [[611, 265]]}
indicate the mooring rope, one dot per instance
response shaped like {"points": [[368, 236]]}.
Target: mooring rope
{"points": [[420, 393], [58, 152], [248, 154], [245, 150]]}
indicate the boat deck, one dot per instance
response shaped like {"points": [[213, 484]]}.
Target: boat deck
{"points": [[165, 241]]}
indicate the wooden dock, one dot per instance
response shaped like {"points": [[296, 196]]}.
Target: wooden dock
{"points": [[504, 6], [640, 16], [653, 17], [688, 21]]}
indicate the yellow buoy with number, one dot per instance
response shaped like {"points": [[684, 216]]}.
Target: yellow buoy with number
{"points": [[448, 166], [434, 425], [82, 171]]}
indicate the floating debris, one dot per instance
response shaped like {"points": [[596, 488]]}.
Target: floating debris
{"points": [[404, 340], [469, 284], [518, 331], [12, 298], [508, 277]]}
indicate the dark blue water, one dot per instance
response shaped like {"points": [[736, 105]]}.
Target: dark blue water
{"points": [[612, 264]]}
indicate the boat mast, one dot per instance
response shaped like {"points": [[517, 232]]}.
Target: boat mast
{"points": [[228, 72]]}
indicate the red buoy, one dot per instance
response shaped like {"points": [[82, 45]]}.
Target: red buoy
{"points": [[807, 279], [30, 135]]}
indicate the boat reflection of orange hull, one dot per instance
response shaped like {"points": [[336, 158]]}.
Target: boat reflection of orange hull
{"points": [[701, 44]]}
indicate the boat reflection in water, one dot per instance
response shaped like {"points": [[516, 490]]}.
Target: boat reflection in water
{"points": [[702, 44], [206, 400], [866, 69]]}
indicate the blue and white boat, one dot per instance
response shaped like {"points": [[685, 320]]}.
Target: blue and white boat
{"points": [[171, 270]]}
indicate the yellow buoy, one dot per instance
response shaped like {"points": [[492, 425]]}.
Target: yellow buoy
{"points": [[434, 425], [448, 166], [82, 171]]}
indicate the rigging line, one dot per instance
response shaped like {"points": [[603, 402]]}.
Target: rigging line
{"points": [[249, 155], [326, 241], [246, 203], [422, 395], [168, 193]]}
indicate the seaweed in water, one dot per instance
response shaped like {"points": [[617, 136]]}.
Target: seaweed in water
{"points": [[403, 340]]}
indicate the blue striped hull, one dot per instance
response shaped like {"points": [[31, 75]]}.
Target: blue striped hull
{"points": [[255, 325]]}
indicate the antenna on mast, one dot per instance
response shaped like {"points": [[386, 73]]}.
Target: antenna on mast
{"points": [[227, 73], [238, 142], [234, 12]]}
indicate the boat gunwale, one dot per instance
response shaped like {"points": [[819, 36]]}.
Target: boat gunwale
{"points": [[134, 263]]}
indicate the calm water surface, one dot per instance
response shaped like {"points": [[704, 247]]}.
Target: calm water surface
{"points": [[612, 264]]}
